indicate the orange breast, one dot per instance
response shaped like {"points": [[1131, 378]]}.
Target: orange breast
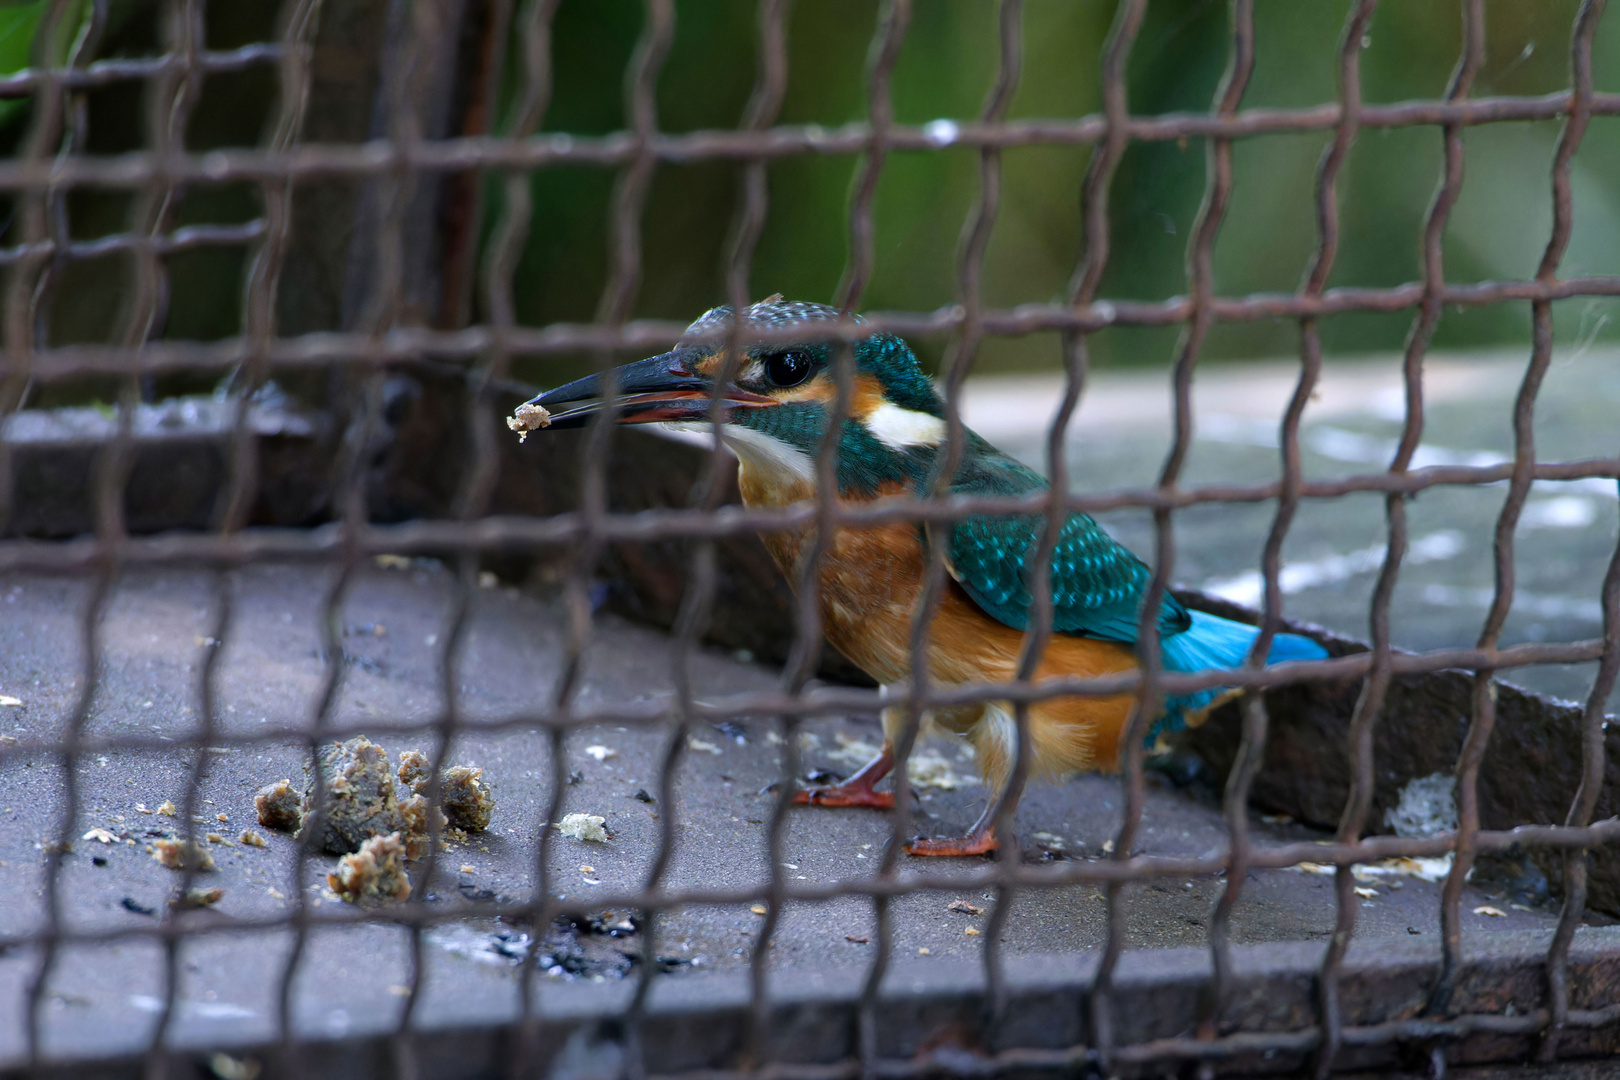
{"points": [[870, 582]]}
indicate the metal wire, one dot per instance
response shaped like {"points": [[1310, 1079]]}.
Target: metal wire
{"points": [[405, 156]]}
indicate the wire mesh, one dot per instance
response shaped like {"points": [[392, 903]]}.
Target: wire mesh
{"points": [[51, 166]]}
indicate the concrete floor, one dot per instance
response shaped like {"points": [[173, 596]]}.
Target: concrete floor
{"points": [[101, 998]]}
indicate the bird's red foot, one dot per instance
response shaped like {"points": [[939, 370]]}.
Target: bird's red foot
{"points": [[976, 843], [845, 795], [857, 790]]}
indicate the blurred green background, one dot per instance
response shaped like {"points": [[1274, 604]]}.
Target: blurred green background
{"points": [[1498, 229]]}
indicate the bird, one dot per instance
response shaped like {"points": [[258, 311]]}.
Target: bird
{"points": [[774, 402]]}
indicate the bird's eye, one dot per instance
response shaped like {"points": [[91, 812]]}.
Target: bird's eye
{"points": [[787, 368]]}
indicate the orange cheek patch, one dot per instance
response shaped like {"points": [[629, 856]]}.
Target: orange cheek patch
{"points": [[709, 366], [866, 393]]}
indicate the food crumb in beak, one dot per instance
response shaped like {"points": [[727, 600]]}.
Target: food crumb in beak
{"points": [[527, 418]]}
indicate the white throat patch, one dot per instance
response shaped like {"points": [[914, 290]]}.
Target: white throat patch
{"points": [[901, 429], [770, 456]]}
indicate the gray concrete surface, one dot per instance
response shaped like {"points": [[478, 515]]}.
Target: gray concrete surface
{"points": [[101, 998], [104, 995]]}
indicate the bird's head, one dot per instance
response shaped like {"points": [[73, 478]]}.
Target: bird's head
{"points": [[777, 403]]}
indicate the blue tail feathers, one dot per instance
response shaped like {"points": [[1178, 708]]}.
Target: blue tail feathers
{"points": [[1214, 642]]}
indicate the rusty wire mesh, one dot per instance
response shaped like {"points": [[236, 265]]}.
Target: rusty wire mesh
{"points": [[50, 166]]}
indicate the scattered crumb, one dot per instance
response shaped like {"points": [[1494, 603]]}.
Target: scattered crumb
{"points": [[469, 869], [584, 827], [9, 702], [1365, 893], [167, 809], [413, 769], [856, 940], [1321, 869], [699, 746], [468, 800], [1050, 841], [758, 909], [275, 893], [201, 897], [140, 808], [360, 796], [215, 838], [1108, 847], [179, 855], [375, 872], [414, 813], [528, 417], [587, 869], [249, 838], [392, 562], [924, 951], [399, 991], [930, 770], [965, 908], [278, 806], [221, 817], [972, 931], [1486, 909], [601, 753], [1428, 869], [100, 835]]}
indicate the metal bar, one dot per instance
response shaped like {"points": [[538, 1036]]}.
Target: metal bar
{"points": [[134, 170], [1236, 800], [1484, 712], [404, 344], [1128, 15]]}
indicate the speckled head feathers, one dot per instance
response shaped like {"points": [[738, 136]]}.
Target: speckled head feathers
{"points": [[768, 314]]}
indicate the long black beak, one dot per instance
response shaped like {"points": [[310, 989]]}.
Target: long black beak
{"points": [[665, 387]]}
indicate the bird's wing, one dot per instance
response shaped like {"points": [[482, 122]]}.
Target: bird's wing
{"points": [[1097, 584]]}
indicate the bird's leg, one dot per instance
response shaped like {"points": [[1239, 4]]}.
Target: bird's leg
{"points": [[857, 790], [980, 840]]}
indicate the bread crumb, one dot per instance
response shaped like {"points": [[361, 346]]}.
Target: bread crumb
{"points": [[167, 809], [526, 418], [468, 800], [249, 838], [584, 827], [202, 897], [413, 769], [361, 800], [702, 747], [100, 836], [221, 817], [469, 869], [601, 753], [278, 806], [964, 908], [180, 855], [1495, 913], [758, 909], [375, 872]]}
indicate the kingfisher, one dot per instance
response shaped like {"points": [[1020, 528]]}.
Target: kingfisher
{"points": [[775, 403]]}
